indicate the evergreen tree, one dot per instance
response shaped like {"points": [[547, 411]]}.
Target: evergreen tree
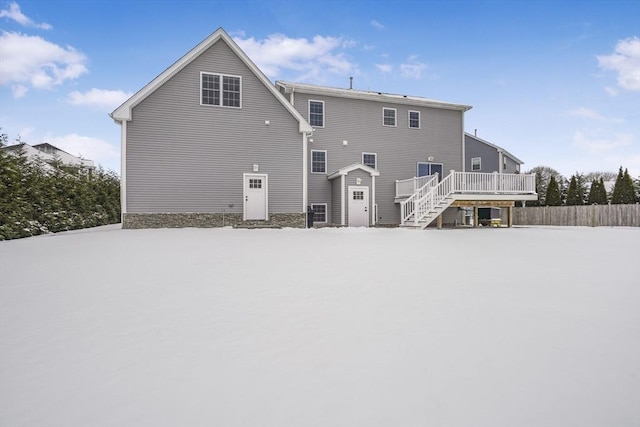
{"points": [[597, 193], [553, 197], [623, 190], [602, 192], [574, 194]]}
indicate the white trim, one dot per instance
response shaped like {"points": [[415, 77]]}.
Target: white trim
{"points": [[124, 111], [370, 96], [326, 212], [309, 113], [364, 189], [429, 163], [244, 194], [343, 201], [409, 119], [374, 206], [479, 164], [347, 169], [123, 169], [325, 162], [305, 190], [370, 154], [220, 76], [395, 117]]}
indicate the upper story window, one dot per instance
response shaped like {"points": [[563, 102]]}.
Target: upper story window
{"points": [[414, 119], [220, 90], [370, 159], [388, 117], [316, 113], [318, 161], [476, 164]]}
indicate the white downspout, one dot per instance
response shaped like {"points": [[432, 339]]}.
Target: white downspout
{"points": [[123, 169], [373, 196], [464, 160], [342, 201], [305, 193]]}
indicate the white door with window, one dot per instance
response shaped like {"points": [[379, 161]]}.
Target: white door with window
{"points": [[255, 197], [358, 206]]}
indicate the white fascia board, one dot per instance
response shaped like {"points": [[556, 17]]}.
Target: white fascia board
{"points": [[347, 169], [371, 96], [123, 112], [498, 148]]}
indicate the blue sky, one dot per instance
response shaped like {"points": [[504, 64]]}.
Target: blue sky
{"points": [[557, 83]]}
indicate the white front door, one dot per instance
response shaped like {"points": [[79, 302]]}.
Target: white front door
{"points": [[358, 206], [255, 197]]}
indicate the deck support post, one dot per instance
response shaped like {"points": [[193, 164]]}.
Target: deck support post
{"points": [[439, 219], [475, 216]]}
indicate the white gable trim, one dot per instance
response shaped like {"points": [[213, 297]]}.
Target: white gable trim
{"points": [[123, 112], [347, 169]]}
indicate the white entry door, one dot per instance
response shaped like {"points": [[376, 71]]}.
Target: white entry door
{"points": [[255, 197], [358, 206]]}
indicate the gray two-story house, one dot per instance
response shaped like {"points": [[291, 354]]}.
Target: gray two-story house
{"points": [[483, 156], [212, 141]]}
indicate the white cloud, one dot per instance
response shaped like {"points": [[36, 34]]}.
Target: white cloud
{"points": [[587, 113], [101, 152], [310, 59], [626, 62], [378, 26], [102, 98], [385, 68], [611, 91], [593, 144], [412, 69], [38, 62], [14, 12]]}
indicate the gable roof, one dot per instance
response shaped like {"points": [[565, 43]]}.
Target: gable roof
{"points": [[370, 96], [123, 112], [499, 149], [345, 170]]}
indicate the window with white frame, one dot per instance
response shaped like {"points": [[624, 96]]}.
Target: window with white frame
{"points": [[476, 164], [319, 212], [414, 119], [388, 116], [318, 161], [504, 163], [517, 167], [221, 90], [316, 113], [370, 159]]}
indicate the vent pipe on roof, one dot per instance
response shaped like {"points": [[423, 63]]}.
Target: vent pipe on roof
{"points": [[350, 83], [475, 132]]}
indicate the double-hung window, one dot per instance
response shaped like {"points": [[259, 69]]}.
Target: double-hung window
{"points": [[370, 159], [318, 161], [221, 90], [414, 119], [389, 117], [476, 164], [316, 113], [319, 212]]}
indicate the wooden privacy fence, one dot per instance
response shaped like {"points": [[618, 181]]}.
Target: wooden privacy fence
{"points": [[585, 216]]}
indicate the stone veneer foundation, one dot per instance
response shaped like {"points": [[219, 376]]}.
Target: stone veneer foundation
{"points": [[208, 220]]}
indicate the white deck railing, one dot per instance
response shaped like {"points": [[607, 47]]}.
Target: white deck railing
{"points": [[407, 207], [407, 187], [433, 193]]}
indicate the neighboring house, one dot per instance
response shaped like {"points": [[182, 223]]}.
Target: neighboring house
{"points": [[212, 141], [483, 156], [51, 155]]}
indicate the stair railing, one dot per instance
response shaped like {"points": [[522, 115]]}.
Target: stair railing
{"points": [[407, 207]]}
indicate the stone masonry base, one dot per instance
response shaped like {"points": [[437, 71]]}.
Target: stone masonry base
{"points": [[208, 220]]}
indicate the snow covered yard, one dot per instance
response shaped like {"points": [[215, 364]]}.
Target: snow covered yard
{"points": [[330, 327]]}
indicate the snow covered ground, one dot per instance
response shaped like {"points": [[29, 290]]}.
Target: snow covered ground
{"points": [[333, 327]]}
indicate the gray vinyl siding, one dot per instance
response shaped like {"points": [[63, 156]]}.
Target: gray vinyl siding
{"points": [[510, 165], [489, 155], [185, 157], [398, 148]]}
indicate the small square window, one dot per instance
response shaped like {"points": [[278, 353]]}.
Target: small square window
{"points": [[476, 164], [255, 183], [388, 116], [220, 90], [414, 119], [370, 159], [358, 195], [318, 161]]}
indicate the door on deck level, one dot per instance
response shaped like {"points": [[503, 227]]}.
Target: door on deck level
{"points": [[425, 168]]}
